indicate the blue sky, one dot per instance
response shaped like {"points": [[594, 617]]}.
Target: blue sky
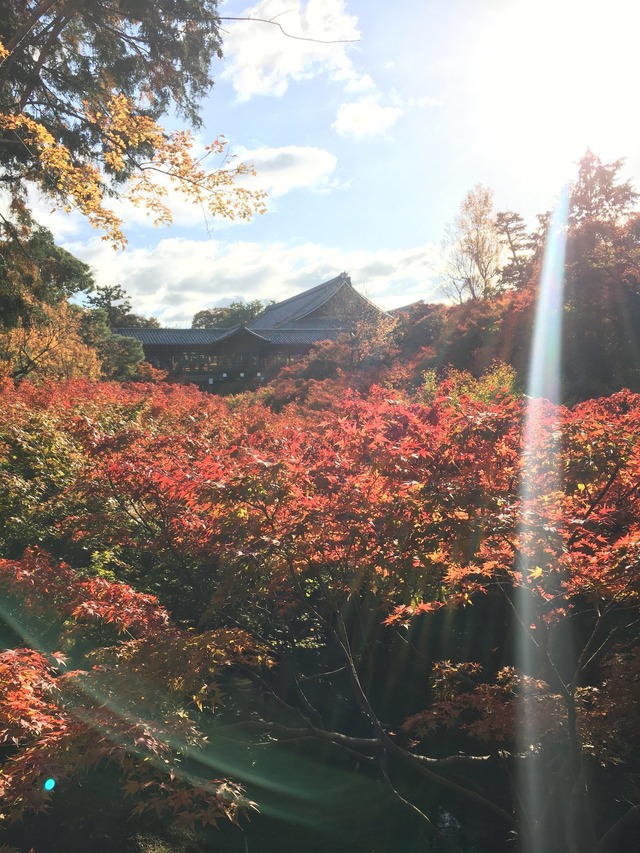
{"points": [[367, 147]]}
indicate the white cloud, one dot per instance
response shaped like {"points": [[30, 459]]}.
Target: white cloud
{"points": [[280, 170], [423, 102], [178, 277], [365, 118], [261, 60], [46, 213]]}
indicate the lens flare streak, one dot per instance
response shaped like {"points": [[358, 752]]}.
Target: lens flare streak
{"points": [[540, 480]]}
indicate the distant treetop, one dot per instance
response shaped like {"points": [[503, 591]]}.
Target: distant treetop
{"points": [[239, 313]]}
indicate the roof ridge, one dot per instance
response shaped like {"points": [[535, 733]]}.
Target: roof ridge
{"points": [[343, 275], [297, 307]]}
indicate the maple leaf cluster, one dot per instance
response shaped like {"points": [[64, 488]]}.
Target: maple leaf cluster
{"points": [[124, 707], [297, 547]]}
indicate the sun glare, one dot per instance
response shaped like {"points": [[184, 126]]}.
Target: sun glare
{"points": [[563, 76]]}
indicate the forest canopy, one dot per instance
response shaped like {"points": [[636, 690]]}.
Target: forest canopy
{"points": [[330, 573]]}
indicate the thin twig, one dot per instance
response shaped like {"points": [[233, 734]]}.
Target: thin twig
{"points": [[432, 828], [275, 23]]}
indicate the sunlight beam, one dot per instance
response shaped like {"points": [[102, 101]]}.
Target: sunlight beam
{"points": [[540, 482]]}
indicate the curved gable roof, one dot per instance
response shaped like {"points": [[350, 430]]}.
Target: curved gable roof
{"points": [[293, 321], [290, 311]]}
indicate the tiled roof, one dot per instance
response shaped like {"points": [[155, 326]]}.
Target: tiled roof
{"points": [[289, 312], [177, 337], [300, 336], [203, 337], [288, 322], [316, 323]]}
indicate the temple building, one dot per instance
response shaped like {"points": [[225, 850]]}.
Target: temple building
{"points": [[229, 360]]}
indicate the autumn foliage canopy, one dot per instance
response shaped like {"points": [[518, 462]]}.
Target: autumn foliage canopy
{"points": [[160, 544]]}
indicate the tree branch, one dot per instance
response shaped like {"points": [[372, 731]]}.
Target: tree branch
{"points": [[610, 840], [60, 23], [594, 503], [431, 827], [275, 23], [41, 9]]}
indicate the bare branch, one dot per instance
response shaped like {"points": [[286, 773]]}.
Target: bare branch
{"points": [[432, 828], [611, 839], [461, 790], [452, 760], [319, 675], [41, 9], [275, 23]]}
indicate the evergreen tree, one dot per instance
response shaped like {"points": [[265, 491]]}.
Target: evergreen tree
{"points": [[598, 194], [239, 313], [601, 337], [63, 56], [120, 357], [82, 87], [34, 274], [516, 243], [116, 303]]}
